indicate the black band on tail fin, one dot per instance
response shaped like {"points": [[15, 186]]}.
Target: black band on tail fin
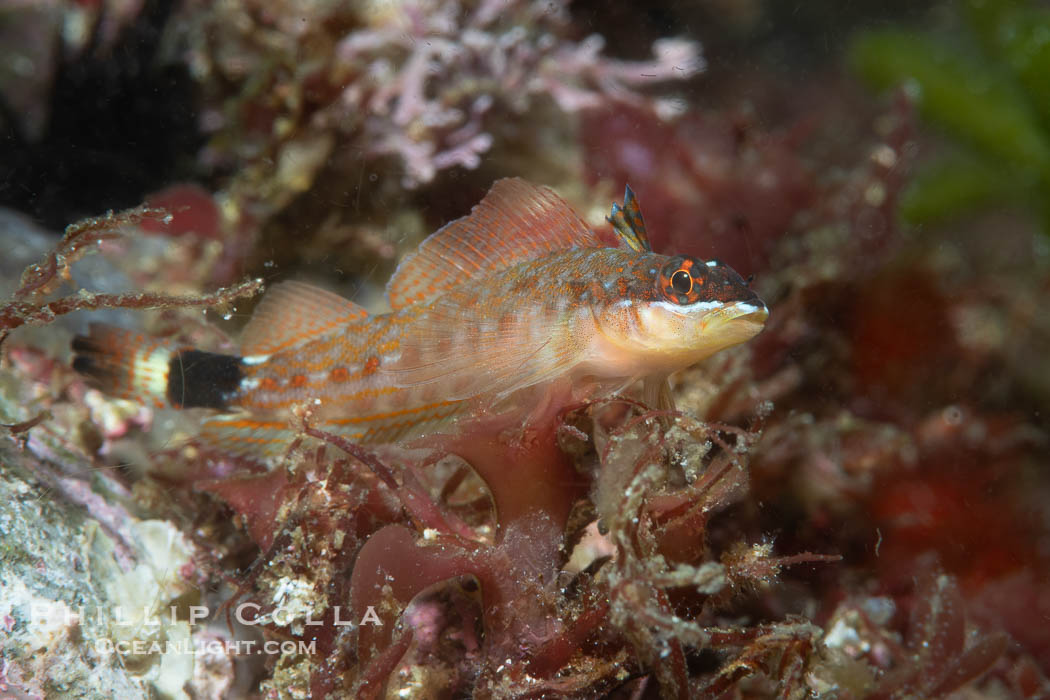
{"points": [[203, 379], [88, 361]]}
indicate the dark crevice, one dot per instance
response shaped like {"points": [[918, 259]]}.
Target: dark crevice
{"points": [[122, 123]]}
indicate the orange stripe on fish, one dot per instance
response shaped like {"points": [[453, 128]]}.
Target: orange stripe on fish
{"points": [[356, 420], [518, 294]]}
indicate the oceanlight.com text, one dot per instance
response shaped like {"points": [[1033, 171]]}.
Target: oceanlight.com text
{"points": [[238, 647]]}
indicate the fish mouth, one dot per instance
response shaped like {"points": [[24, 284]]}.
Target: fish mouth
{"points": [[736, 322], [753, 311]]}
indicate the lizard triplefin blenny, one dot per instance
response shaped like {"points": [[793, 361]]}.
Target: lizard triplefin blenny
{"points": [[505, 304]]}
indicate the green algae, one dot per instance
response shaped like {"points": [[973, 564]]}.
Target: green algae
{"points": [[983, 84]]}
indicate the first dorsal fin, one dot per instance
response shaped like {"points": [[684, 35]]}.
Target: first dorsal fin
{"points": [[515, 222], [292, 312], [628, 223]]}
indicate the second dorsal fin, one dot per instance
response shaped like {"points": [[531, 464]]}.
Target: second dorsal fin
{"points": [[515, 222], [292, 312]]}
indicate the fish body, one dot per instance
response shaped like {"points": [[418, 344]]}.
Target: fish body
{"points": [[516, 296]]}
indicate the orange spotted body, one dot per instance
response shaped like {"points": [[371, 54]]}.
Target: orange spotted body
{"points": [[339, 382], [498, 305]]}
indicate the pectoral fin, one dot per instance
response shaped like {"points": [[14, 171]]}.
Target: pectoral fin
{"points": [[474, 352]]}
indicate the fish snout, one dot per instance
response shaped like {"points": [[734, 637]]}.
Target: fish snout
{"points": [[751, 309]]}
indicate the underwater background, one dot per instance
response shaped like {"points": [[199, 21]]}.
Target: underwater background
{"points": [[855, 504]]}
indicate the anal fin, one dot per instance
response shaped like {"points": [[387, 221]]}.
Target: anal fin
{"points": [[260, 440], [265, 440]]}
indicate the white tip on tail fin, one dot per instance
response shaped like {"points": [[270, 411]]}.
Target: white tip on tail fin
{"points": [[124, 364]]}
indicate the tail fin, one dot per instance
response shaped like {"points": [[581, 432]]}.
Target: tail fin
{"points": [[140, 368], [127, 365]]}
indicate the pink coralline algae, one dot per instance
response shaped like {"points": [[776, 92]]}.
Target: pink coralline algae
{"points": [[458, 68], [429, 82]]}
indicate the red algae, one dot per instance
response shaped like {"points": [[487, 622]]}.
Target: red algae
{"points": [[733, 192], [193, 210]]}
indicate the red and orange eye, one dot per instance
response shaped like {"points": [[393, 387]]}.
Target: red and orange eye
{"points": [[681, 279]]}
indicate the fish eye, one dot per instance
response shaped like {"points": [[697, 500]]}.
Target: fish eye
{"points": [[682, 282]]}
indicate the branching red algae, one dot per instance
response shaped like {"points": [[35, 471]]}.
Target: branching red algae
{"points": [[526, 610], [79, 239], [42, 279]]}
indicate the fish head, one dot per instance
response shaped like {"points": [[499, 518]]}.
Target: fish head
{"points": [[680, 310]]}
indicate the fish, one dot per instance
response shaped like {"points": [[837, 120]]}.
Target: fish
{"points": [[494, 309]]}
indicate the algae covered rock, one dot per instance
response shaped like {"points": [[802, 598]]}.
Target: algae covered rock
{"points": [[78, 601]]}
